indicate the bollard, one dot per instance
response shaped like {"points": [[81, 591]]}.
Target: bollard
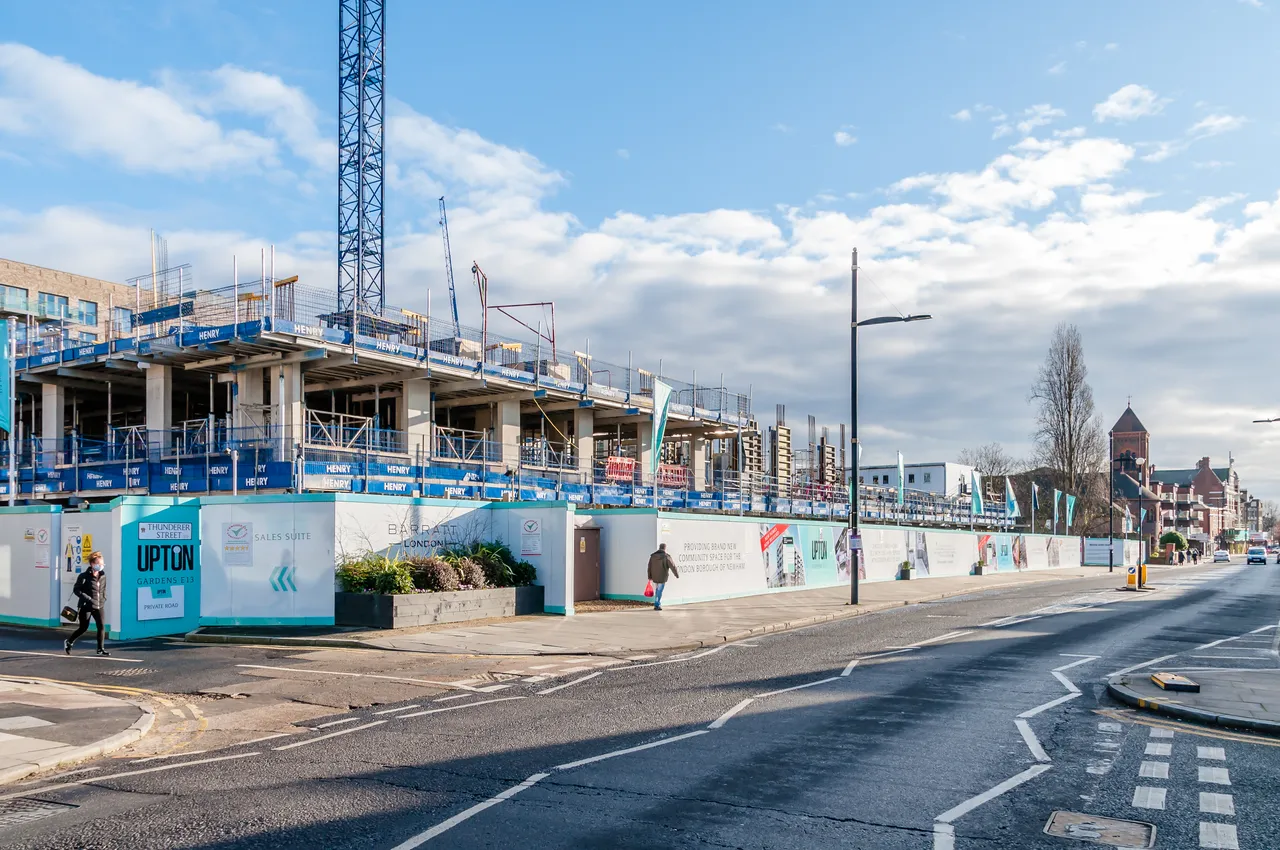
{"points": [[1133, 579]]}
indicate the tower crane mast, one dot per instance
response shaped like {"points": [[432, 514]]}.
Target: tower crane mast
{"points": [[448, 268]]}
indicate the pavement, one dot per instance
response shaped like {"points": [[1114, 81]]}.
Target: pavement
{"points": [[1239, 699], [641, 629], [45, 725]]}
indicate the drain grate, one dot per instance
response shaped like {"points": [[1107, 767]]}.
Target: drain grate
{"points": [[21, 810], [124, 672]]}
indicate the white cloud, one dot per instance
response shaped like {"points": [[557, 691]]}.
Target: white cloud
{"points": [[623, 153], [1038, 116], [1214, 125], [1129, 102], [844, 138], [962, 115], [1111, 45], [1257, 4], [783, 128], [141, 128], [1058, 69]]}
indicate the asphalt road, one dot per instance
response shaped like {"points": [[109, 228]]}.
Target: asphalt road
{"points": [[777, 742]]}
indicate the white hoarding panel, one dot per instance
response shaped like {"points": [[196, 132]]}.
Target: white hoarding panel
{"points": [[884, 549], [950, 553], [28, 581]]}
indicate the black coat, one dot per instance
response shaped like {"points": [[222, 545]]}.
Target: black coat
{"points": [[91, 589]]}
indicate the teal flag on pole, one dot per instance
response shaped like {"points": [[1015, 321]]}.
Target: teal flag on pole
{"points": [[977, 493], [1057, 496], [661, 407], [901, 479], [6, 378], [1010, 503], [1071, 509]]}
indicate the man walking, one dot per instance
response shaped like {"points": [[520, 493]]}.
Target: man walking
{"points": [[660, 565], [91, 589]]}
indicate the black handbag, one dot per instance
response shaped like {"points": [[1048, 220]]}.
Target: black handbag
{"points": [[69, 613]]}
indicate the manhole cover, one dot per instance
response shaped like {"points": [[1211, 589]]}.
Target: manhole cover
{"points": [[20, 810], [130, 671], [1100, 830]]}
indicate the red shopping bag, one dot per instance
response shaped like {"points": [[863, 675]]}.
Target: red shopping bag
{"points": [[648, 590]]}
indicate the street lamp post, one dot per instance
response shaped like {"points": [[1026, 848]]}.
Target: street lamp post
{"points": [[855, 484], [1111, 501]]}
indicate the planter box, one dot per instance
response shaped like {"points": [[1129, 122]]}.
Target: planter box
{"points": [[401, 611]]}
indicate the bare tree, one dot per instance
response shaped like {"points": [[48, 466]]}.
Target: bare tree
{"points": [[1270, 514], [1070, 440], [990, 460]]}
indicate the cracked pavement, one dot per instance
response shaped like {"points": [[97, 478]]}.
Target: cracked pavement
{"points": [[867, 760]]}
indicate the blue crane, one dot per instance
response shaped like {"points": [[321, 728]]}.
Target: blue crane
{"points": [[448, 268]]}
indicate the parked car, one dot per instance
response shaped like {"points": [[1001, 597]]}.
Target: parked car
{"points": [[1221, 556], [1256, 555]]}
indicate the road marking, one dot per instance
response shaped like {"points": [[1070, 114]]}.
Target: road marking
{"points": [[947, 636], [724, 718], [1084, 659], [1154, 770], [1148, 797], [1217, 804], [1263, 629], [1140, 666], [60, 776], [266, 738], [848, 668], [1066, 683], [959, 811], [1107, 746], [1032, 742], [444, 826], [1053, 703], [1216, 642], [195, 712], [459, 685], [1110, 727], [1157, 732], [1154, 749], [569, 670], [447, 699], [1211, 753], [944, 836], [127, 773], [177, 712], [335, 723], [676, 660], [491, 688], [568, 684], [533, 680], [402, 708], [641, 657], [169, 756], [1231, 657], [330, 735], [113, 658], [455, 707], [1218, 836], [544, 666], [582, 762], [798, 687], [1215, 775], [1099, 767]]}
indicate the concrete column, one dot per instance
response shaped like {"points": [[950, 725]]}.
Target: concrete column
{"points": [[53, 412], [286, 403], [644, 451], [413, 415], [248, 392], [507, 432], [159, 406], [698, 463], [584, 426]]}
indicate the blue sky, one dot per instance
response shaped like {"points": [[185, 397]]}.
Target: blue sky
{"points": [[706, 167]]}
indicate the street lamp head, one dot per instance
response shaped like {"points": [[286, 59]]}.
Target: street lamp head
{"points": [[889, 320], [920, 318]]}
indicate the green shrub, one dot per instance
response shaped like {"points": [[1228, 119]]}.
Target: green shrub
{"points": [[523, 574], [392, 577], [434, 573], [355, 577], [1179, 542], [496, 559]]}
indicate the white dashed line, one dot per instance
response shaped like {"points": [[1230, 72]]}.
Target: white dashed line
{"points": [[1154, 749], [1053, 703], [848, 668], [1217, 804], [947, 636], [1216, 642], [450, 699], [1218, 836], [491, 688], [335, 723], [582, 762], [1211, 753], [944, 833], [1154, 770], [798, 687], [1066, 683], [1140, 666], [444, 826], [1109, 727], [1215, 775], [401, 708], [1032, 742], [1148, 797], [1157, 732], [569, 684], [728, 715], [455, 707], [126, 773], [1083, 660], [319, 738]]}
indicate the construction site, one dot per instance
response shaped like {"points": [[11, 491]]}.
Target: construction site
{"points": [[170, 384]]}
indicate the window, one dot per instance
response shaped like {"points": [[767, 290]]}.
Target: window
{"points": [[875, 479], [88, 312], [928, 477], [911, 478], [122, 320], [53, 306], [13, 297], [862, 479], [87, 336]]}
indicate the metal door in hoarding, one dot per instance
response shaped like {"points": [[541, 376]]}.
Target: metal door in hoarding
{"points": [[586, 564]]}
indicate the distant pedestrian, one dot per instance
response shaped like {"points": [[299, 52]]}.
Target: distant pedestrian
{"points": [[91, 589], [661, 567]]}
